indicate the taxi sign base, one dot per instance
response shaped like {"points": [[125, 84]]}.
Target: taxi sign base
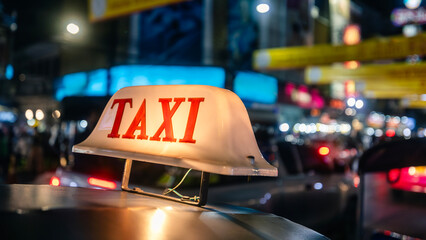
{"points": [[202, 198]]}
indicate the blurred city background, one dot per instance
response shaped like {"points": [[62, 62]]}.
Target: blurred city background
{"points": [[322, 80], [349, 72]]}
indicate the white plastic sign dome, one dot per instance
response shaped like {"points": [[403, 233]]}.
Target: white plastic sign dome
{"points": [[191, 126]]}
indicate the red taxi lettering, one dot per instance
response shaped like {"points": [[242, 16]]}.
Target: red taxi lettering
{"points": [[167, 122], [139, 121], [192, 118], [139, 118], [119, 116]]}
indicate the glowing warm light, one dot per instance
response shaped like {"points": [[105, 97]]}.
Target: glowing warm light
{"points": [[352, 64], [324, 151], [315, 112], [262, 8], [63, 161], [56, 114], [101, 183], [29, 114], [157, 223], [352, 35], [39, 114], [54, 181], [411, 171], [73, 28], [390, 133]]}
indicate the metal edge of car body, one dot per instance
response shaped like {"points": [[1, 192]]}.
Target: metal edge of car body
{"points": [[397, 154], [47, 212], [199, 127]]}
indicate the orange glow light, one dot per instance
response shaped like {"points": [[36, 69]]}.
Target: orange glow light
{"points": [[352, 64], [101, 183], [324, 151], [352, 35], [54, 181], [350, 88]]}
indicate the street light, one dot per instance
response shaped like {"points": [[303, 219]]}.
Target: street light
{"points": [[39, 114], [73, 28], [262, 8], [29, 114]]}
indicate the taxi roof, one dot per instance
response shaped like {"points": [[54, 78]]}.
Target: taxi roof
{"points": [[47, 212], [190, 126]]}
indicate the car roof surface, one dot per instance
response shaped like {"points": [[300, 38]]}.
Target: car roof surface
{"points": [[47, 212]]}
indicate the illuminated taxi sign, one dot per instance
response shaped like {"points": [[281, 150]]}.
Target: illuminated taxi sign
{"points": [[139, 121], [190, 126]]}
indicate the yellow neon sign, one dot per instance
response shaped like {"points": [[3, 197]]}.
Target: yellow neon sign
{"points": [[369, 50], [105, 9], [402, 72]]}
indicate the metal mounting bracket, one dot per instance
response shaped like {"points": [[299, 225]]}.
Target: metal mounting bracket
{"points": [[202, 198]]}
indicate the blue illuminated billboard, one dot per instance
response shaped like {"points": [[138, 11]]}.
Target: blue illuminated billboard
{"points": [[73, 84], [256, 87], [95, 83], [139, 75]]}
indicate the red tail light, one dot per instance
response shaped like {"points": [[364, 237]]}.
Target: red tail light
{"points": [[323, 151], [390, 133], [54, 181], [101, 183], [394, 175]]}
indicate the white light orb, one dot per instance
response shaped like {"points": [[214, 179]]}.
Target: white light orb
{"points": [[262, 8]]}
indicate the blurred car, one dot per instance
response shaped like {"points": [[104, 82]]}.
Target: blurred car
{"points": [[382, 216], [309, 190], [408, 179], [58, 212]]}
